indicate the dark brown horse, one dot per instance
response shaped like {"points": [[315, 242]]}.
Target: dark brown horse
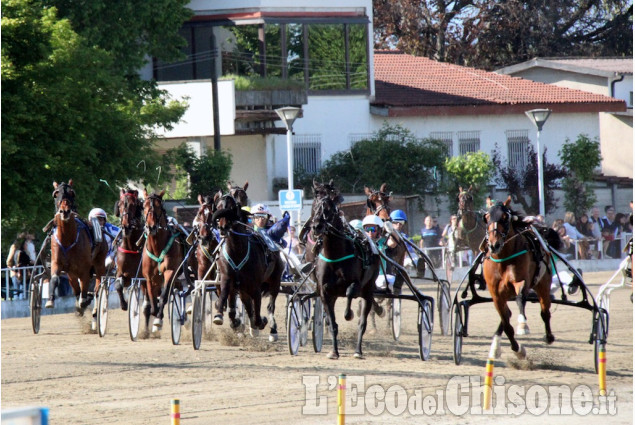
{"points": [[513, 267], [246, 266], [378, 202], [344, 267], [470, 230], [162, 256], [129, 209], [239, 193], [73, 250], [205, 235]]}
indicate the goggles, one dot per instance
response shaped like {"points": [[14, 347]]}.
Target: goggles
{"points": [[398, 221], [371, 229], [260, 215]]}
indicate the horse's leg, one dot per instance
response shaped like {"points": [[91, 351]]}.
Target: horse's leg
{"points": [[55, 280], [330, 310], [84, 282], [521, 301], [367, 304], [162, 301], [505, 314], [120, 284], [271, 309], [351, 292], [147, 303], [234, 322], [259, 321], [221, 302], [544, 295]]}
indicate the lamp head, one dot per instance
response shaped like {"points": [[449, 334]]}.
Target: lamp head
{"points": [[288, 114], [538, 117]]}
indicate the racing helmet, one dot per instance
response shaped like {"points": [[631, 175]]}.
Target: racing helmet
{"points": [[260, 209], [356, 224], [97, 212], [398, 215], [373, 220]]}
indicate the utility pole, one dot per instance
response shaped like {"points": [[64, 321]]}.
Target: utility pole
{"points": [[215, 93]]}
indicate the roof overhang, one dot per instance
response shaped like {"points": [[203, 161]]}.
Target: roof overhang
{"points": [[551, 64], [492, 109], [250, 17]]}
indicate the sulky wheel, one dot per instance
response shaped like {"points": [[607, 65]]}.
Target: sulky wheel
{"points": [[102, 307], [599, 342], [395, 318], [318, 325], [424, 327], [134, 311], [444, 307], [176, 313], [294, 326], [198, 309], [36, 304], [458, 334]]}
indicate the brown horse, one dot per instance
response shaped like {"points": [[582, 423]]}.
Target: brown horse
{"points": [[239, 193], [129, 209], [378, 202], [513, 267], [344, 267], [206, 235], [246, 266], [73, 250], [470, 230], [162, 256]]}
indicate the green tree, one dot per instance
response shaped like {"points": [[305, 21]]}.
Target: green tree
{"points": [[392, 155], [70, 112], [581, 158], [522, 183], [474, 169], [207, 174]]}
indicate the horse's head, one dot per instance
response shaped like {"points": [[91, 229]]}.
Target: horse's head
{"points": [[499, 225], [465, 200], [153, 211], [239, 193], [325, 211], [228, 211], [203, 221], [377, 202], [128, 208], [64, 197]]}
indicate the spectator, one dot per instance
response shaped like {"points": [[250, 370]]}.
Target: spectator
{"points": [[292, 242], [557, 223], [596, 227], [566, 241], [21, 254], [610, 233], [431, 238], [576, 237], [585, 226]]}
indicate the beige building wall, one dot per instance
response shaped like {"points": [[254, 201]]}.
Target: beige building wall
{"points": [[588, 83], [616, 144]]}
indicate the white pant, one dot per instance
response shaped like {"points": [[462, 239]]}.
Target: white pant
{"points": [[381, 281]]}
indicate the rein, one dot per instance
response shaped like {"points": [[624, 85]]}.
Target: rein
{"points": [[337, 260], [501, 260], [125, 251]]}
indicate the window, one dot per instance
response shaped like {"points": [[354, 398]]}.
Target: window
{"points": [[517, 144], [356, 137], [469, 141], [307, 153], [446, 138]]}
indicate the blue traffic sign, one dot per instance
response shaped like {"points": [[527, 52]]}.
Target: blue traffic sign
{"points": [[290, 200]]}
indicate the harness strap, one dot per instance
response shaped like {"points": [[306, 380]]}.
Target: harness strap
{"points": [[161, 257], [83, 227], [206, 253], [500, 260], [337, 260], [231, 262]]}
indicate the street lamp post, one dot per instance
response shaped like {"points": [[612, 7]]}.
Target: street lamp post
{"points": [[539, 117], [288, 114]]}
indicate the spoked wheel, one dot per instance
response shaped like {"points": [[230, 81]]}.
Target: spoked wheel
{"points": [[443, 299], [318, 325], [304, 324], [293, 326], [395, 318], [458, 334], [425, 325], [198, 308], [176, 312], [134, 311], [36, 304], [102, 308]]}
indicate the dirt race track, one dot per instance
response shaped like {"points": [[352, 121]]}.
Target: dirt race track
{"points": [[84, 379]]}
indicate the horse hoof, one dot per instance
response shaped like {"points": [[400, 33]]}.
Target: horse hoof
{"points": [[549, 339], [379, 310], [523, 329], [157, 325], [235, 323], [93, 325], [254, 332], [188, 310], [521, 354], [333, 355], [124, 305], [218, 320], [273, 337], [50, 304], [359, 356], [264, 323], [349, 315]]}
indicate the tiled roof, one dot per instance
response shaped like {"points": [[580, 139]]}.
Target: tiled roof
{"points": [[616, 65], [402, 80]]}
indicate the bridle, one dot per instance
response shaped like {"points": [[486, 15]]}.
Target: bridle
{"points": [[64, 198], [379, 197], [464, 198], [504, 212], [152, 229], [128, 201], [205, 222]]}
